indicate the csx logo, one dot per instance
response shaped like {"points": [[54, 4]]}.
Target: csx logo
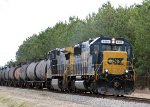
{"points": [[115, 61]]}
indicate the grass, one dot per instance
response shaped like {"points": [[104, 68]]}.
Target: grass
{"points": [[4, 100]]}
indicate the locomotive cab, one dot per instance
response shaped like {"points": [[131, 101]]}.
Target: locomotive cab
{"points": [[112, 60]]}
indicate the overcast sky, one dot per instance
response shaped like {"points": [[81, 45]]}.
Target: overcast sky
{"points": [[22, 18]]}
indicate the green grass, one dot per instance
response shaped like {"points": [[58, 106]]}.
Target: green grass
{"points": [[4, 100]]}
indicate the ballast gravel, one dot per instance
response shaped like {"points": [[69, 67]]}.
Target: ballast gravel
{"points": [[17, 97]]}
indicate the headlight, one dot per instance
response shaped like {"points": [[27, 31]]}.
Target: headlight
{"points": [[106, 70], [127, 71], [106, 73], [113, 40]]}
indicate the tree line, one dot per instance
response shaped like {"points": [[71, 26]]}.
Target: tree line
{"points": [[132, 23]]}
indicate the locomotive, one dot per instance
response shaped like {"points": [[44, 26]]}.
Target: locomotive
{"points": [[101, 65]]}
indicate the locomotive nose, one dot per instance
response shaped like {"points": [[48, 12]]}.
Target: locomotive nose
{"points": [[115, 62]]}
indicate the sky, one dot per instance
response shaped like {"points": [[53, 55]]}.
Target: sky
{"points": [[20, 19]]}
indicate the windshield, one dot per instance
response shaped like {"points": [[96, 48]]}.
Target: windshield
{"points": [[117, 48], [113, 48]]}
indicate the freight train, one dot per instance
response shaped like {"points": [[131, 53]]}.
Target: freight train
{"points": [[102, 65]]}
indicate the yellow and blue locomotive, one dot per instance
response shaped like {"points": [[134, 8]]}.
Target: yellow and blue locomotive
{"points": [[101, 65]]}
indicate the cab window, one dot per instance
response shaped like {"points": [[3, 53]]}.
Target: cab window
{"points": [[77, 51], [118, 48], [96, 49], [106, 47]]}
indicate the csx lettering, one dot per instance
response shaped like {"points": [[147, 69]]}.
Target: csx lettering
{"points": [[115, 61]]}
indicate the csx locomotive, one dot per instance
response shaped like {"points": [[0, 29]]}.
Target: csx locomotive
{"points": [[102, 65]]}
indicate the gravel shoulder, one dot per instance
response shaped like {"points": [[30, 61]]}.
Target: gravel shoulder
{"points": [[17, 97], [145, 93]]}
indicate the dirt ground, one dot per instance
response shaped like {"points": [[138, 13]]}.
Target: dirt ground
{"points": [[16, 97]]}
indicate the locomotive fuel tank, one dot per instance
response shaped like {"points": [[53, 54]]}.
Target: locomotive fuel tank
{"points": [[80, 84], [55, 84]]}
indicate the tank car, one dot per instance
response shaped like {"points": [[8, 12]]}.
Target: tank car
{"points": [[43, 74], [11, 76]]}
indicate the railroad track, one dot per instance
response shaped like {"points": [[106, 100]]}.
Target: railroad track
{"points": [[134, 99], [123, 98]]}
